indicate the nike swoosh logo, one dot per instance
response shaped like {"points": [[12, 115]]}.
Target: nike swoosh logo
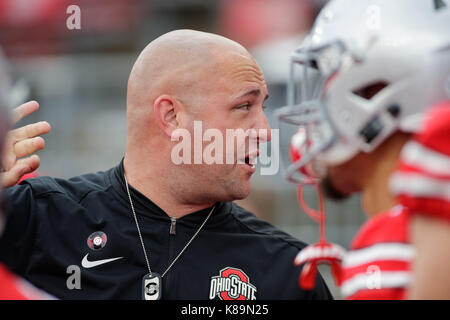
{"points": [[90, 264]]}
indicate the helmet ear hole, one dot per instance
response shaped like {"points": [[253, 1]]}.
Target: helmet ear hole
{"points": [[371, 90], [371, 130]]}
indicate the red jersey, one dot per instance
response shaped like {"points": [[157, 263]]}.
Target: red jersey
{"points": [[422, 180], [377, 266]]}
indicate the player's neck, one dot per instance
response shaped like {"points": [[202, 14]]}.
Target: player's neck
{"points": [[150, 180], [376, 196]]}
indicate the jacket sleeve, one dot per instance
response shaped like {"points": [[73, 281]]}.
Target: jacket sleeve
{"points": [[18, 236]]}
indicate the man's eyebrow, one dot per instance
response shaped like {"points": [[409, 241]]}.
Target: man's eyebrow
{"points": [[254, 92]]}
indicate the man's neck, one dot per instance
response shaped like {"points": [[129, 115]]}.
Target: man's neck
{"points": [[153, 185], [376, 196]]}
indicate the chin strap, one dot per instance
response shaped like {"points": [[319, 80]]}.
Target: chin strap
{"points": [[322, 252]]}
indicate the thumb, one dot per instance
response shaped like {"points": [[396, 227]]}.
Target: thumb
{"points": [[22, 167]]}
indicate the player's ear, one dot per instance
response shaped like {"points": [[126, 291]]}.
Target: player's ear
{"points": [[166, 108]]}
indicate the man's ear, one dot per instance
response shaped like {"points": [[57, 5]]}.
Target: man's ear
{"points": [[165, 109]]}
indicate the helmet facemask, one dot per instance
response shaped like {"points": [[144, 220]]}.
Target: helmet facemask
{"points": [[311, 72]]}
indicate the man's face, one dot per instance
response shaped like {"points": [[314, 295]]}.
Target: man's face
{"points": [[237, 91], [345, 179]]}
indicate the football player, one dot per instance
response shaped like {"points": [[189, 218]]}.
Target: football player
{"points": [[360, 86], [422, 184]]}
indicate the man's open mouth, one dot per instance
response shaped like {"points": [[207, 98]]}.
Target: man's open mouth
{"points": [[248, 162], [250, 159]]}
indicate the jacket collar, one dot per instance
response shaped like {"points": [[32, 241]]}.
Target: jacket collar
{"points": [[145, 207]]}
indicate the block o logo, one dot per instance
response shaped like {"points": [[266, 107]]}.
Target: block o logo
{"points": [[232, 284]]}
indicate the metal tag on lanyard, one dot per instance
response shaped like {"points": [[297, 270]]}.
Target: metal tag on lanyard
{"points": [[151, 286]]}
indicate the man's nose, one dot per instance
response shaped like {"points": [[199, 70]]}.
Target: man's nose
{"points": [[263, 128]]}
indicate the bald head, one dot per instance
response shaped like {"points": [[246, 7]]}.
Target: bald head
{"points": [[165, 60], [179, 63]]}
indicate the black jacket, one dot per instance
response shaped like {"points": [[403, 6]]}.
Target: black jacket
{"points": [[235, 255]]}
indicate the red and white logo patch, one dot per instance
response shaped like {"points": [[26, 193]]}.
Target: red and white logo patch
{"points": [[232, 284]]}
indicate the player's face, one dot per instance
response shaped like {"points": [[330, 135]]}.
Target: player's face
{"points": [[234, 105], [348, 178]]}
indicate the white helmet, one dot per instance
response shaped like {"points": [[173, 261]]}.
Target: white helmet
{"points": [[367, 68]]}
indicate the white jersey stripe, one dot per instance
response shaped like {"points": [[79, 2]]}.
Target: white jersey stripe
{"points": [[375, 280], [378, 252], [417, 185], [425, 159]]}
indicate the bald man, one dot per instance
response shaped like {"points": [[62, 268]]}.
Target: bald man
{"points": [[152, 227]]}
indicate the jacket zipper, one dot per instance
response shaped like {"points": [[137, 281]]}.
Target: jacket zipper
{"points": [[172, 233], [173, 224]]}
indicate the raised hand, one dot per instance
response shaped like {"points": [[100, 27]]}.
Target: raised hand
{"points": [[21, 143]]}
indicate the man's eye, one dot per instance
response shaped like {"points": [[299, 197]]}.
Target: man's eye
{"points": [[244, 107]]}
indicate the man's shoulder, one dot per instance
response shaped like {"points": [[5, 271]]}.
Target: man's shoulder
{"points": [[75, 188], [255, 225], [390, 226]]}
